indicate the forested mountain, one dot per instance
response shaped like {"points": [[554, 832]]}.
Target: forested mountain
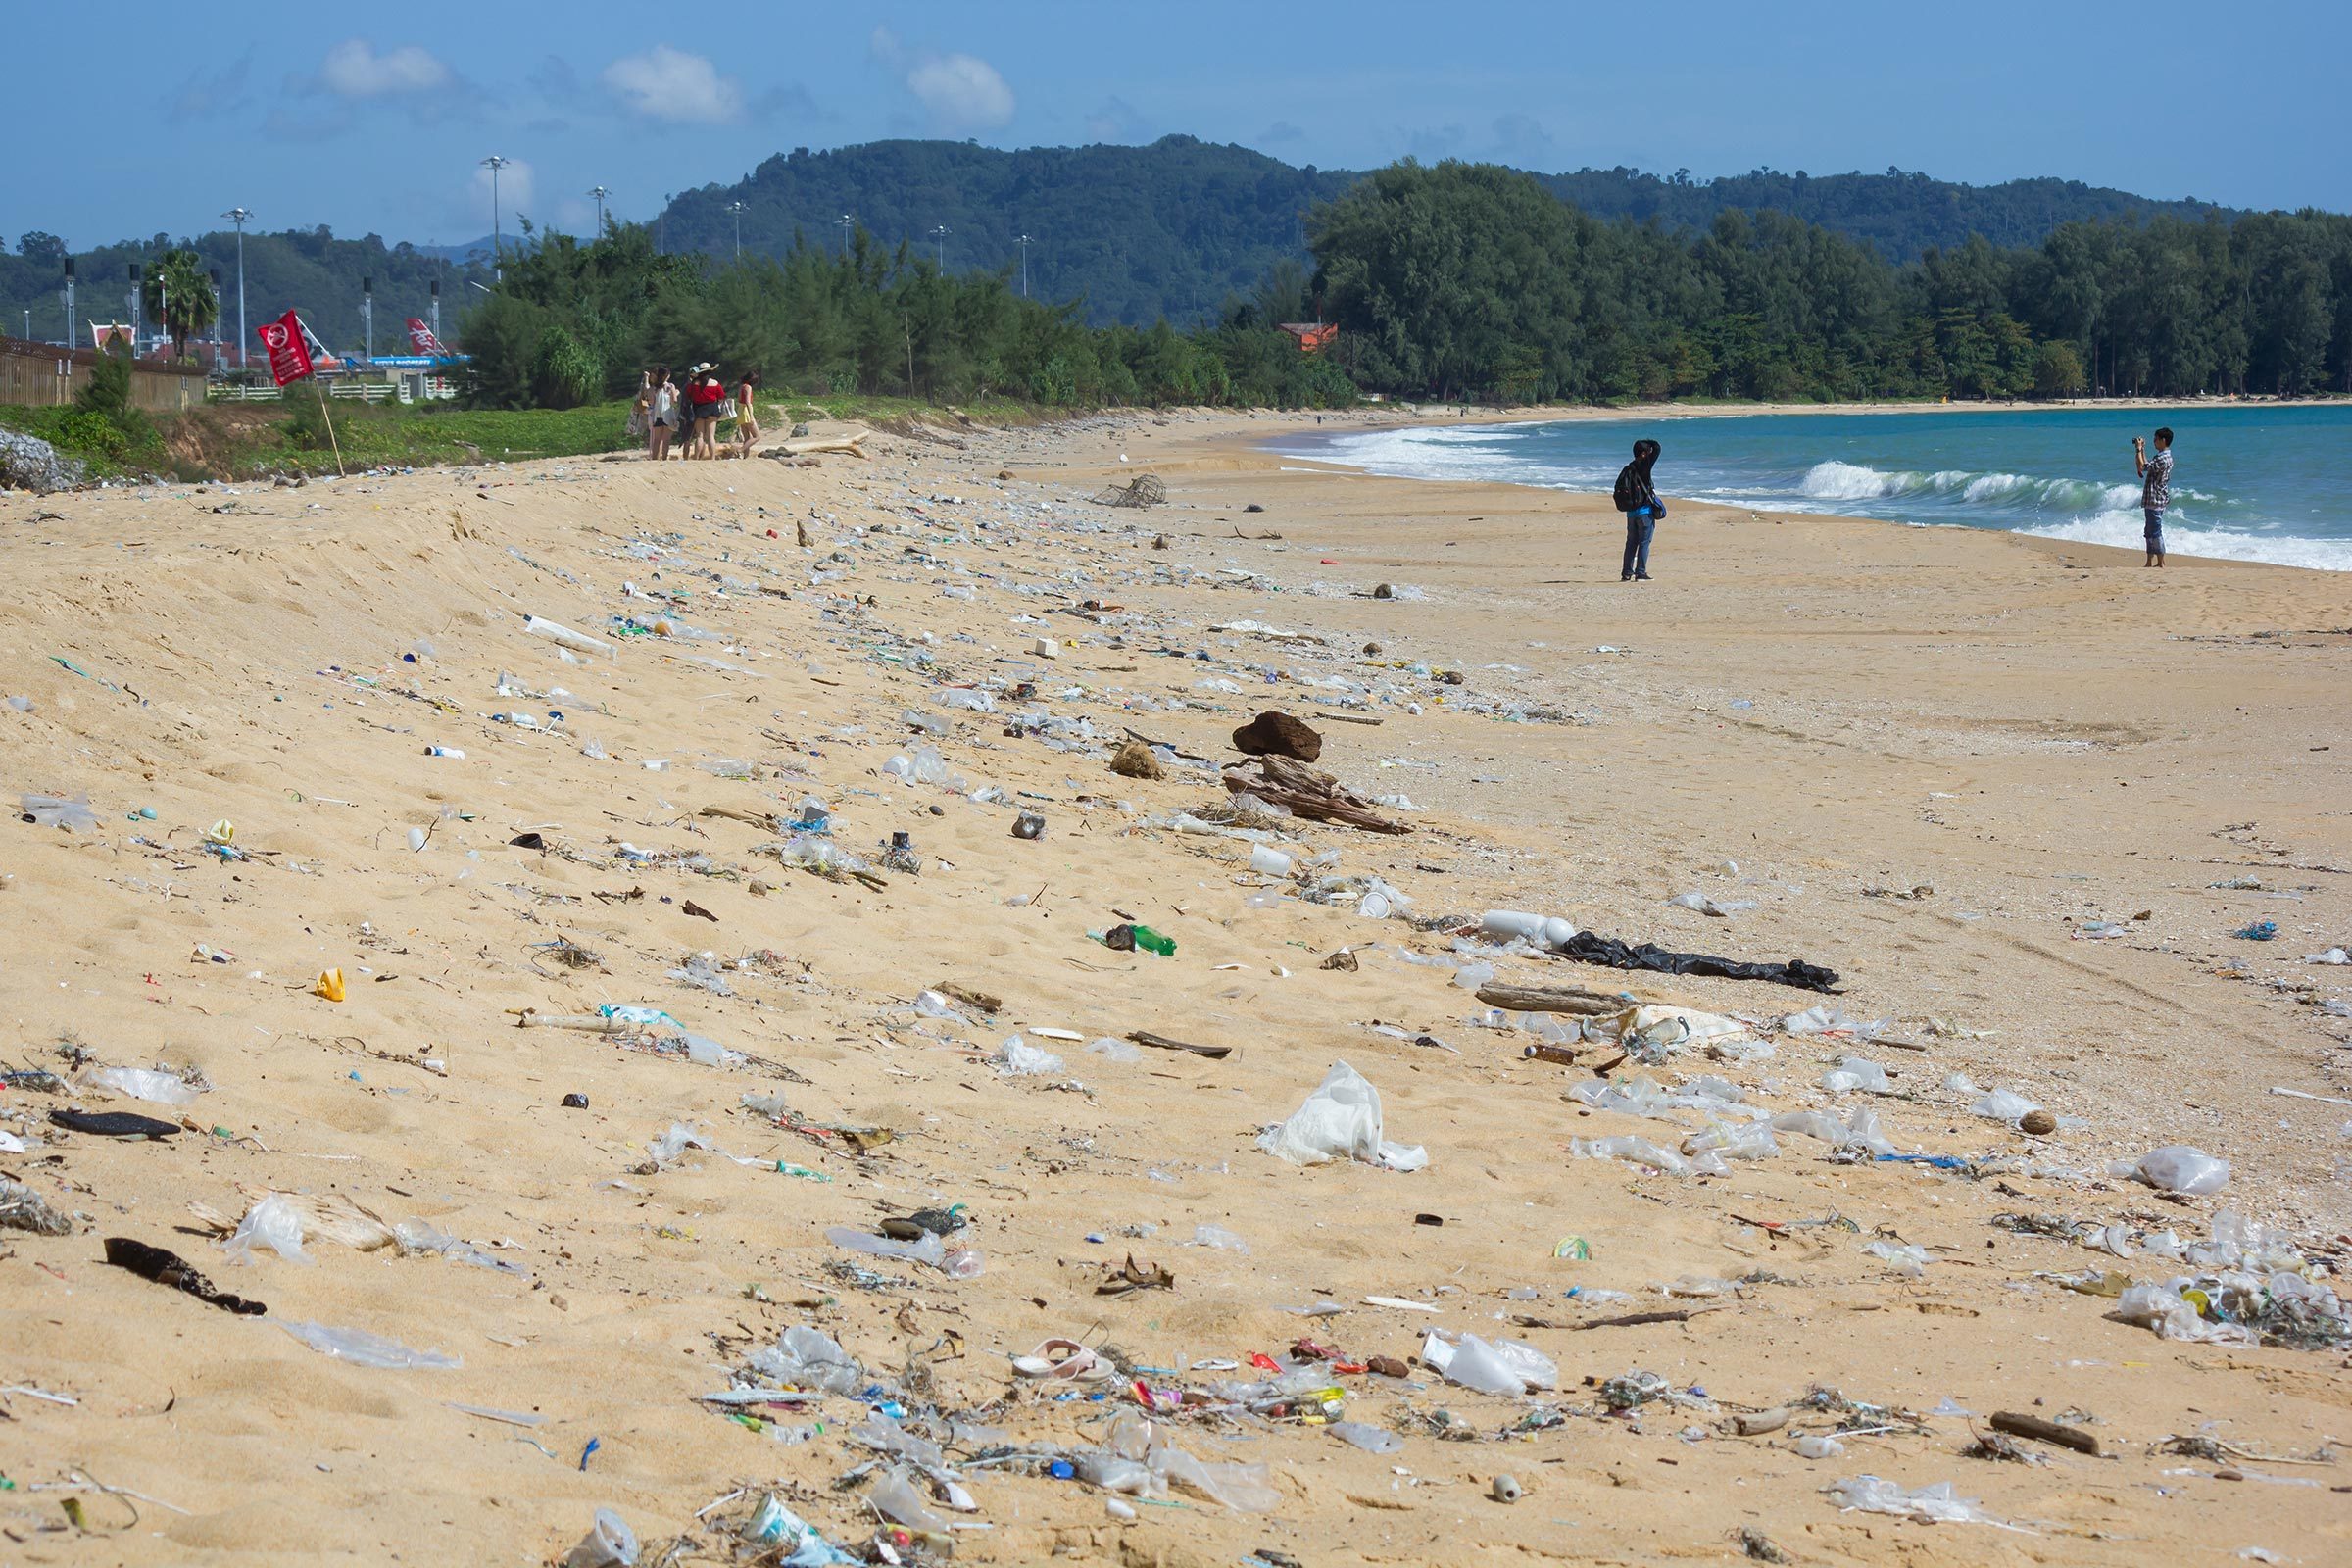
{"points": [[1172, 229], [1903, 214], [1134, 233], [304, 270]]}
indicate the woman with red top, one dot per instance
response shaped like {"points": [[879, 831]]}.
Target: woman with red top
{"points": [[706, 395]]}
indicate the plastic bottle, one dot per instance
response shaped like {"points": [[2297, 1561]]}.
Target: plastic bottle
{"points": [[565, 636], [1561, 1054], [1130, 938], [445, 751]]}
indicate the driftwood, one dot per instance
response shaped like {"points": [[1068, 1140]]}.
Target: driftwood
{"points": [[1145, 1037], [758, 819], [1316, 796], [2040, 1431], [1546, 999], [853, 445]]}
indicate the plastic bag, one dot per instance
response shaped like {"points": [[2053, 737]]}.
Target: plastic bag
{"points": [[142, 1083], [1340, 1120], [1018, 1059], [1640, 1151], [2177, 1168], [927, 1249], [897, 1496], [1750, 1140], [809, 1358], [69, 812], [608, 1544], [1855, 1072], [1936, 1505], [2003, 1105], [1242, 1487], [362, 1349], [274, 1223], [1370, 1438], [777, 1527], [1508, 1367], [1114, 1048]]}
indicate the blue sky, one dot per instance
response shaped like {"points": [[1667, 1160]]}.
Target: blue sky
{"points": [[374, 119]]}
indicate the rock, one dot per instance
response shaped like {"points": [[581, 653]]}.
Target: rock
{"points": [[29, 462], [2040, 1123], [1134, 760], [1384, 591], [1278, 735], [1371, 649]]}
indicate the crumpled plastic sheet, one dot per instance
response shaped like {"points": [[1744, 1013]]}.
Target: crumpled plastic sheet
{"points": [[1341, 1120], [1931, 1504], [362, 1349], [809, 1358], [1609, 951], [2177, 1168], [1507, 1367]]}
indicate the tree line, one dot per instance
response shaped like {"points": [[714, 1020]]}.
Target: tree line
{"points": [[1472, 281], [573, 323]]}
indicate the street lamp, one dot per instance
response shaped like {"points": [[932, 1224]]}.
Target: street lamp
{"points": [[736, 206], [843, 223], [494, 164], [436, 311], [1023, 243], [135, 312], [368, 316], [600, 193], [71, 329], [941, 234], [214, 273], [238, 217]]}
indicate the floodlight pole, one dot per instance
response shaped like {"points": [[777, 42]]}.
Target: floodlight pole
{"points": [[600, 193], [498, 271], [1023, 243], [238, 215]]}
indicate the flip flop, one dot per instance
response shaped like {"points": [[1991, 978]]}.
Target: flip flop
{"points": [[1064, 1359]]}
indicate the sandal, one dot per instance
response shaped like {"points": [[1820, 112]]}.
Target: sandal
{"points": [[1064, 1359]]}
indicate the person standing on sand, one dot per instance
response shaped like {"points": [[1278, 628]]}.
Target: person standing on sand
{"points": [[1638, 499], [704, 394], [665, 415], [747, 414], [2155, 488]]}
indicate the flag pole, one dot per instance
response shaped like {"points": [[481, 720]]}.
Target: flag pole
{"points": [[326, 411]]}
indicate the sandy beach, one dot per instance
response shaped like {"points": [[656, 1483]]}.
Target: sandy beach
{"points": [[2018, 793]]}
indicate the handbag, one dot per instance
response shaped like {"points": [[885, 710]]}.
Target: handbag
{"points": [[726, 409]]}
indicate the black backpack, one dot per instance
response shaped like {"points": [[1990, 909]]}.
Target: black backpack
{"points": [[1631, 492]]}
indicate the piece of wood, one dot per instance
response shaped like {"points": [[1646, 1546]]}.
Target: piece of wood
{"points": [[1552, 999], [2019, 1425], [1637, 1319], [1346, 718], [1316, 796], [1145, 1037], [853, 445], [756, 819]]}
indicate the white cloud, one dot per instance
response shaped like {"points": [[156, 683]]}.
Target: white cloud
{"points": [[353, 70], [666, 83], [961, 93]]}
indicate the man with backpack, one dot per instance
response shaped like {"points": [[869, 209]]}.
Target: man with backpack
{"points": [[1638, 499]]}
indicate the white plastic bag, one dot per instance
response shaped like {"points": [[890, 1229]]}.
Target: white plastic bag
{"points": [[1340, 1120], [2178, 1168], [2003, 1105], [142, 1083], [274, 1223], [1018, 1059], [1508, 1367]]}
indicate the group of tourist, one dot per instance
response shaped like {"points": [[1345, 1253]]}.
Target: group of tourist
{"points": [[680, 416]]}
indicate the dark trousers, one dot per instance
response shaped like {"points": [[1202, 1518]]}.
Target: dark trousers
{"points": [[1638, 526]]}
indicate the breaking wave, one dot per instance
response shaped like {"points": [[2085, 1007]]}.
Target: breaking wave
{"points": [[1849, 481]]}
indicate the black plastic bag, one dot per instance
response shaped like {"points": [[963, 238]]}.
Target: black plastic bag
{"points": [[1587, 947]]}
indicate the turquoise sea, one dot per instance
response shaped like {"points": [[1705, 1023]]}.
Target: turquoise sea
{"points": [[2267, 482]]}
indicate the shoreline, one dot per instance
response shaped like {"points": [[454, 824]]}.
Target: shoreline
{"points": [[1688, 504]]}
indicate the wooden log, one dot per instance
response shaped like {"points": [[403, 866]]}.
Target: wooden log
{"points": [[851, 443], [756, 819], [1145, 1037], [1552, 999], [2019, 1425]]}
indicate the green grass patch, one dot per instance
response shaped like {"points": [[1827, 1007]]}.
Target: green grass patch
{"points": [[103, 449]]}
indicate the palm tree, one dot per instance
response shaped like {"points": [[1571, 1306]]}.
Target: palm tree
{"points": [[178, 293]]}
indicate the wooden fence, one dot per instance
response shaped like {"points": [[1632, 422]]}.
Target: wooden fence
{"points": [[40, 373]]}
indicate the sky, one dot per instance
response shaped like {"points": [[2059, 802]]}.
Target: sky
{"points": [[375, 120]]}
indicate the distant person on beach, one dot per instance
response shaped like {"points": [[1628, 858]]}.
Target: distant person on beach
{"points": [[2155, 488], [746, 415], [1638, 499], [665, 415], [703, 394]]}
